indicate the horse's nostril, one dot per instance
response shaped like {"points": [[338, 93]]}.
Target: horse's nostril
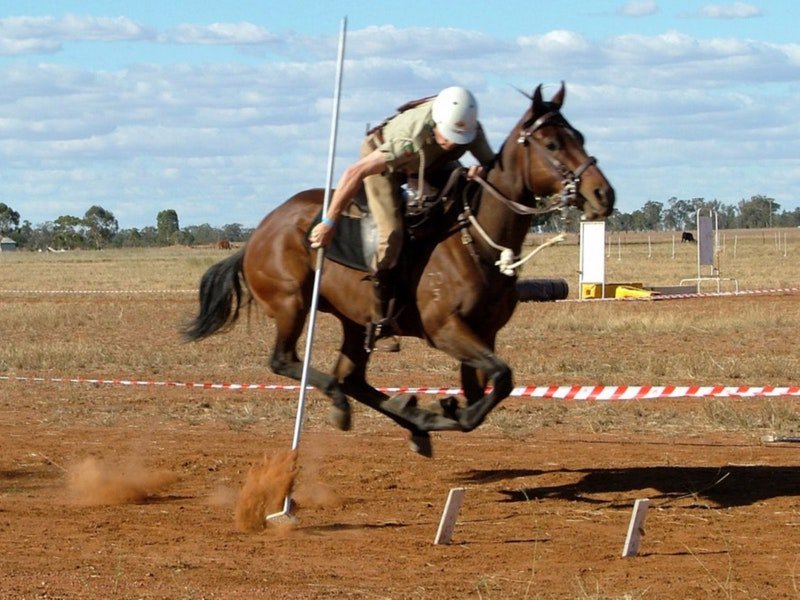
{"points": [[605, 197]]}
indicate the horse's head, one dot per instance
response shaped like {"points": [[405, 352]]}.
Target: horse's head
{"points": [[555, 162]]}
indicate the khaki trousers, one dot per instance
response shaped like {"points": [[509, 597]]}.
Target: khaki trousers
{"points": [[383, 199]]}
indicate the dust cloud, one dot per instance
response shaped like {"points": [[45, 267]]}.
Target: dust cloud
{"points": [[93, 482], [269, 481]]}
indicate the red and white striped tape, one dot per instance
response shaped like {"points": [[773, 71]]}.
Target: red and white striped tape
{"points": [[690, 295], [557, 392], [792, 290]]}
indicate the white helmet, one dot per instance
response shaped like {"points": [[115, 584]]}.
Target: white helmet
{"points": [[455, 112]]}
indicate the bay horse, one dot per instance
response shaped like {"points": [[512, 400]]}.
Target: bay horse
{"points": [[455, 296]]}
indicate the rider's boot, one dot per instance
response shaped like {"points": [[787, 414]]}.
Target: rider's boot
{"points": [[380, 332]]}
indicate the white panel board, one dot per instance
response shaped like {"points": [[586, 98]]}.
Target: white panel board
{"points": [[593, 258]]}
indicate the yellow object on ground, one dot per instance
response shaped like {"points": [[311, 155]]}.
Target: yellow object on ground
{"points": [[595, 290], [625, 291]]}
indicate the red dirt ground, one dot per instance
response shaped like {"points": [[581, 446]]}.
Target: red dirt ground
{"points": [[109, 492]]}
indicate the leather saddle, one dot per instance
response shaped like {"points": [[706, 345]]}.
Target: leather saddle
{"points": [[426, 214]]}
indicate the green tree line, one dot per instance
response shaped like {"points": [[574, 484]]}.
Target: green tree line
{"points": [[678, 215], [98, 228]]}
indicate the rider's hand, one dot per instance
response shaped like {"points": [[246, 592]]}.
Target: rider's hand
{"points": [[474, 171], [321, 235]]}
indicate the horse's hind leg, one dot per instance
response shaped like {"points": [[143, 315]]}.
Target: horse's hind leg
{"points": [[285, 362]]}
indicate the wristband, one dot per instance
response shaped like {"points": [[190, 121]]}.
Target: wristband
{"points": [[328, 221]]}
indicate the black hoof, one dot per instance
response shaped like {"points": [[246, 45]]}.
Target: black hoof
{"points": [[446, 407], [341, 417], [421, 444]]}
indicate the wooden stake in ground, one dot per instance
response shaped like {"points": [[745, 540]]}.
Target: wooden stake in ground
{"points": [[449, 516], [635, 528]]}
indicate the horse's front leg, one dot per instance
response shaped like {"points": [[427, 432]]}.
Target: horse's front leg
{"points": [[350, 372], [473, 382], [479, 366]]}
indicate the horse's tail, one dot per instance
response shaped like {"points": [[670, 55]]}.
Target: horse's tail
{"points": [[221, 298]]}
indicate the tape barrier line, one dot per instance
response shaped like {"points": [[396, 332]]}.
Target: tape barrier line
{"points": [[792, 290], [657, 297], [556, 392]]}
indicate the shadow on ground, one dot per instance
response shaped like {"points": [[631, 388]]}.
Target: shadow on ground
{"points": [[725, 486]]}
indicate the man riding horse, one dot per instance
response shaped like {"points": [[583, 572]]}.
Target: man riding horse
{"points": [[426, 137]]}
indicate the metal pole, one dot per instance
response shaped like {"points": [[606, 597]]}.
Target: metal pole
{"points": [[298, 424]]}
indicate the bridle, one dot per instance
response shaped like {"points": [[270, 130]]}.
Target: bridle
{"points": [[570, 180]]}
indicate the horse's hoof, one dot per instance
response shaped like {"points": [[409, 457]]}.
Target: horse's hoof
{"points": [[421, 444], [446, 407], [341, 417]]}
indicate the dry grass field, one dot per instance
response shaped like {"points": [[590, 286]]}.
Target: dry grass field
{"points": [[130, 491]]}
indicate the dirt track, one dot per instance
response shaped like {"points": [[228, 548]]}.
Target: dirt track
{"points": [[130, 493]]}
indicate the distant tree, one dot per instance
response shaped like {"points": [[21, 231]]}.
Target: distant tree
{"points": [[652, 215], [757, 212], [127, 238], [669, 220], [9, 219], [149, 236], [41, 236], [680, 213], [167, 225], [203, 234], [101, 226], [790, 219], [727, 216], [637, 220], [22, 234], [620, 221], [68, 232], [233, 232]]}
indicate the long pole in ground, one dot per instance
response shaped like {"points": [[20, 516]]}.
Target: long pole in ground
{"points": [[298, 424]]}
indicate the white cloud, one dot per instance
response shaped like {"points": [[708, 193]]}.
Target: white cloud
{"points": [[220, 34], [639, 8], [21, 35], [557, 42], [737, 10]]}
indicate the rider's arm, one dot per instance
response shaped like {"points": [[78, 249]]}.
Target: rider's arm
{"points": [[482, 151], [373, 163], [480, 148]]}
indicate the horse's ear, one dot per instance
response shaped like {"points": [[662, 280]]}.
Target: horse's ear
{"points": [[538, 103], [558, 99]]}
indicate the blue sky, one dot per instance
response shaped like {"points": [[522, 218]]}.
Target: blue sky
{"points": [[222, 110]]}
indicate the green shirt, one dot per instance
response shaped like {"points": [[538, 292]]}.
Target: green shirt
{"points": [[410, 132]]}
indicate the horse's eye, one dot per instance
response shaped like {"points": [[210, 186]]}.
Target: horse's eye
{"points": [[551, 145]]}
